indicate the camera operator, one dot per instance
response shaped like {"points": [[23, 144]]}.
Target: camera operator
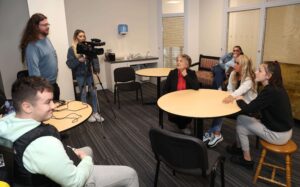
{"points": [[81, 66]]}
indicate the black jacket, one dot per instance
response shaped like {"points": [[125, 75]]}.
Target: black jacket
{"points": [[172, 80], [274, 105]]}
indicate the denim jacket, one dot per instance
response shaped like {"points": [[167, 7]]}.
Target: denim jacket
{"points": [[226, 61], [79, 68]]}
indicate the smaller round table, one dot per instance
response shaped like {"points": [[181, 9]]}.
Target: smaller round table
{"points": [[155, 72], [69, 115]]}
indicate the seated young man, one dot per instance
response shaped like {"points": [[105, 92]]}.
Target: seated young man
{"points": [[40, 156]]}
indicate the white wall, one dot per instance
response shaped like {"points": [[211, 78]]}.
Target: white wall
{"points": [[100, 19], [191, 29], [13, 18], [210, 27], [55, 12]]}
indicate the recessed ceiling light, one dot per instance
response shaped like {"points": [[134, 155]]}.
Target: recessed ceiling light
{"points": [[173, 2]]}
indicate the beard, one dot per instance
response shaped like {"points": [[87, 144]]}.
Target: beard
{"points": [[45, 32]]}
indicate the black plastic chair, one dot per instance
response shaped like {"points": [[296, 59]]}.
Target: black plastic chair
{"points": [[125, 81], [6, 149], [185, 154]]}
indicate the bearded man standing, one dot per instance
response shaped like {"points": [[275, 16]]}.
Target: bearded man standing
{"points": [[38, 52]]}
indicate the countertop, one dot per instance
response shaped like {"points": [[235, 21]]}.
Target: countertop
{"points": [[133, 60]]}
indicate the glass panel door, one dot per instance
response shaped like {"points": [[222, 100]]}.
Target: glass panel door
{"points": [[282, 36], [243, 30]]}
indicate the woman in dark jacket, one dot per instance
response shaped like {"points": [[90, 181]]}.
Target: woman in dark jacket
{"points": [[275, 125], [181, 78]]}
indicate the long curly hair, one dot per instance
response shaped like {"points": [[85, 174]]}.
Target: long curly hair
{"points": [[30, 32], [246, 71]]}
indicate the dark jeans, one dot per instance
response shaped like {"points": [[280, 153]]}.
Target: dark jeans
{"points": [[180, 121], [56, 92], [219, 76]]}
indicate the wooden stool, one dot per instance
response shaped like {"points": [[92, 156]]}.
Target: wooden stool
{"points": [[286, 149]]}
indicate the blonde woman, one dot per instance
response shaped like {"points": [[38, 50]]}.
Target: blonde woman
{"points": [[241, 83], [81, 66]]}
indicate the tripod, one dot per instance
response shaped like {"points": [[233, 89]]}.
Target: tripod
{"points": [[88, 68], [84, 79], [107, 99]]}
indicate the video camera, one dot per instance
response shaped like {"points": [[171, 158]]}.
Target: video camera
{"points": [[90, 48]]}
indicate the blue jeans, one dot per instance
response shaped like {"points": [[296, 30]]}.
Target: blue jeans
{"points": [[219, 76], [216, 125], [89, 83]]}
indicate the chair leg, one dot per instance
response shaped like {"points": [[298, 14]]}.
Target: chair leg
{"points": [[156, 173], [212, 177], [115, 95], [222, 172], [137, 94], [288, 170], [260, 163], [118, 98], [142, 95]]}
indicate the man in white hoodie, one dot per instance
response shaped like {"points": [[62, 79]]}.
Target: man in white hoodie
{"points": [[40, 156]]}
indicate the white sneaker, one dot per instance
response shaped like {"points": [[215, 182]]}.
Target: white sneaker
{"points": [[186, 131], [92, 119], [98, 117], [207, 137], [215, 140]]}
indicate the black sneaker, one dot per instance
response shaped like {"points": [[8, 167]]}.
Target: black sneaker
{"points": [[241, 161], [234, 150]]}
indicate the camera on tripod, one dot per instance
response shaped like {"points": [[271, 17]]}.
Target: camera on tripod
{"points": [[90, 48]]}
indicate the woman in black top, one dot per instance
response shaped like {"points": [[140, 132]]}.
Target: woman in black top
{"points": [[273, 104], [181, 78]]}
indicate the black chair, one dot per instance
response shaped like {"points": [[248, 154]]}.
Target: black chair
{"points": [[6, 149], [125, 81], [22, 74], [185, 154]]}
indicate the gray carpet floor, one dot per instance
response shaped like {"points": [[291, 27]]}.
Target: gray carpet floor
{"points": [[124, 141]]}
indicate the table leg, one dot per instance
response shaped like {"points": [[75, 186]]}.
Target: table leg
{"points": [[161, 118], [158, 88], [198, 122], [157, 93], [160, 112]]}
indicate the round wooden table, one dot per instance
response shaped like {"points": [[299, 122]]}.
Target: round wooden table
{"points": [[69, 115], [198, 104], [155, 72]]}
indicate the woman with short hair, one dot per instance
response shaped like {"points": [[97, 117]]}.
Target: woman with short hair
{"points": [[181, 78]]}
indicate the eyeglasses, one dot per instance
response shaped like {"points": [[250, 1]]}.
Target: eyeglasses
{"points": [[236, 50], [45, 25]]}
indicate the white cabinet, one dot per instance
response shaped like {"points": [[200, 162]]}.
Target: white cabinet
{"points": [[111, 66]]}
